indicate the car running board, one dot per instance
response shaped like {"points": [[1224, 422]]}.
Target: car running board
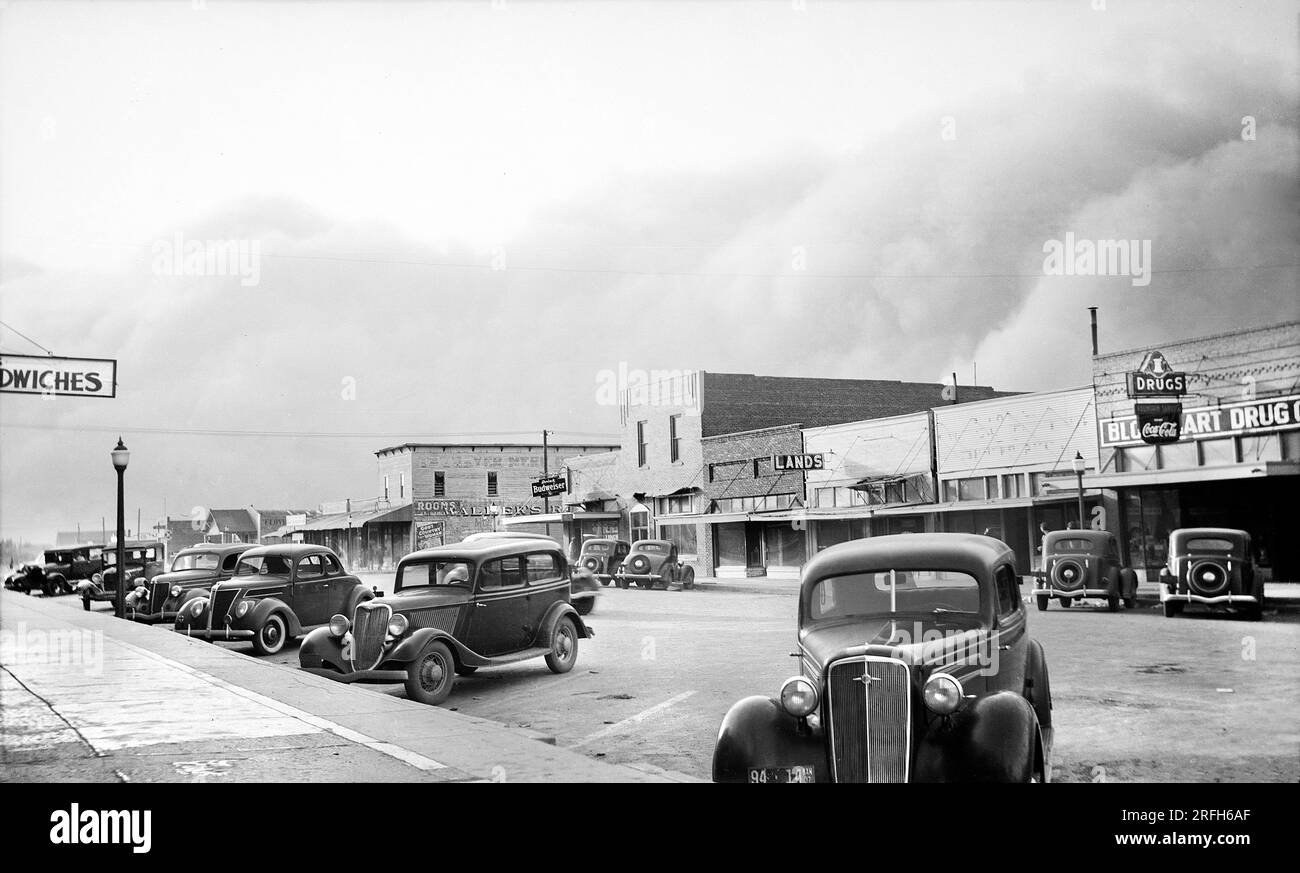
{"points": [[524, 655]]}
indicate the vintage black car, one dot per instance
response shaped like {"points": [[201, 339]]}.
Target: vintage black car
{"points": [[916, 666], [583, 589], [192, 573], [1214, 567], [1084, 563], [654, 562], [601, 556], [144, 560], [276, 594], [454, 609], [59, 571]]}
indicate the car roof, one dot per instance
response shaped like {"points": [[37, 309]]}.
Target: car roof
{"points": [[291, 550], [506, 535], [654, 542], [605, 540], [970, 553], [1069, 533], [1187, 533], [485, 549], [219, 548]]}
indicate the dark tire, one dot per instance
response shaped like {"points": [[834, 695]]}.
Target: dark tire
{"points": [[1255, 612], [1112, 603], [645, 583], [271, 636], [1130, 602], [49, 588], [1038, 689], [432, 675], [622, 583], [564, 646], [1173, 608], [670, 578], [463, 670], [606, 582], [688, 578], [1066, 603], [85, 603], [585, 605], [1043, 600]]}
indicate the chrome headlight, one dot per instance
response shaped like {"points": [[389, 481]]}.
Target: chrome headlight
{"points": [[141, 591], [397, 625], [942, 693], [176, 591], [339, 625], [799, 696], [242, 609], [97, 578], [197, 609]]}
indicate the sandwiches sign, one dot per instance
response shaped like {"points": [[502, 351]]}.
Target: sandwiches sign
{"points": [[62, 377]]}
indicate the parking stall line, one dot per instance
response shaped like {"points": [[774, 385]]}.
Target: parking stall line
{"points": [[633, 721]]}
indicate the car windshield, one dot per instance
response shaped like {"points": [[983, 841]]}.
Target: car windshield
{"points": [[596, 548], [1209, 544], [653, 548], [433, 574], [196, 561], [264, 565], [888, 592], [1075, 545]]}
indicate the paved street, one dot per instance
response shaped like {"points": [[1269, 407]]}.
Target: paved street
{"points": [[1138, 697]]}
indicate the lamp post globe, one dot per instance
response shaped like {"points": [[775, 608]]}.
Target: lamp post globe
{"points": [[121, 456]]}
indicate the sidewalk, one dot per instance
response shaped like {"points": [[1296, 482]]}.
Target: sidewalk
{"points": [[86, 697]]}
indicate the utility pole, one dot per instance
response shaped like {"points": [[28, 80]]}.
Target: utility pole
{"points": [[546, 501]]}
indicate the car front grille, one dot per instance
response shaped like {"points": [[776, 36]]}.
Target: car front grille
{"points": [[222, 600], [441, 618], [368, 630], [157, 594], [870, 722]]}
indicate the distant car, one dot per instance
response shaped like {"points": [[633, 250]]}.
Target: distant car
{"points": [[1214, 567], [58, 572], [653, 562], [601, 557], [916, 665], [144, 560], [1084, 563], [454, 609], [276, 594], [192, 573]]}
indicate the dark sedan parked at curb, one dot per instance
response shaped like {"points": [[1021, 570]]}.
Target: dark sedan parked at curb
{"points": [[651, 563], [601, 557], [916, 666], [192, 573], [1211, 566], [144, 560], [455, 609], [583, 589], [59, 570], [1084, 563], [276, 594]]}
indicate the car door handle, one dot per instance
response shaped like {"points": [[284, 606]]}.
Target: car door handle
{"points": [[480, 605], [1005, 648]]}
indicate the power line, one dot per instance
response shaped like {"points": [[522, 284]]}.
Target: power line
{"points": [[26, 337], [405, 436]]}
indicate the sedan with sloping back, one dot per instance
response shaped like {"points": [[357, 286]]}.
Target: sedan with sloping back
{"points": [[453, 610], [277, 593], [916, 666], [1078, 564], [191, 574], [1211, 567]]}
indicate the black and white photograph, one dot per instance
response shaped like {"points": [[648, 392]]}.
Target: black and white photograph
{"points": [[716, 391]]}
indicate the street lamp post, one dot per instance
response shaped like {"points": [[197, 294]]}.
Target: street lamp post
{"points": [[120, 458], [1079, 466]]}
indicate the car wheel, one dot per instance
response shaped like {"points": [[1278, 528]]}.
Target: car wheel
{"points": [[431, 676], [1043, 600], [1066, 603], [49, 588], [1112, 603], [688, 578], [1255, 612], [670, 577], [85, 603], [271, 636], [564, 646], [585, 605], [606, 582], [645, 583], [1173, 608], [1130, 602]]}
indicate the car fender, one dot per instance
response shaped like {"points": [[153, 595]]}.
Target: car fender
{"points": [[185, 618], [557, 611], [408, 649], [360, 595], [321, 645], [261, 611], [996, 738], [757, 732]]}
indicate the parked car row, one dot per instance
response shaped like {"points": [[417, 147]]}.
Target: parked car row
{"points": [[645, 563]]}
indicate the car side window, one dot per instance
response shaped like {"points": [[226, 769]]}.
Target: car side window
{"points": [[1008, 591], [500, 574], [332, 565], [310, 567], [228, 565], [542, 567]]}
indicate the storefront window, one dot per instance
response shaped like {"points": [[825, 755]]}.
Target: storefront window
{"points": [[639, 518], [1291, 445], [1178, 456], [784, 545], [824, 497], [1150, 514], [1013, 485], [950, 491], [1265, 447], [972, 489], [1218, 452], [682, 536], [730, 539]]}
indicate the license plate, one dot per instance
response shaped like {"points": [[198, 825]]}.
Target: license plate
{"points": [[767, 775]]}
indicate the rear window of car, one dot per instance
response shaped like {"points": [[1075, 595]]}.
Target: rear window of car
{"points": [[1209, 544], [886, 592], [433, 574], [596, 548], [653, 548], [1079, 545]]}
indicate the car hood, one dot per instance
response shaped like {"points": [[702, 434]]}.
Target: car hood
{"points": [[911, 638], [187, 577], [422, 599], [258, 581]]}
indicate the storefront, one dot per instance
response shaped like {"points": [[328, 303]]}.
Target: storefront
{"points": [[371, 536]]}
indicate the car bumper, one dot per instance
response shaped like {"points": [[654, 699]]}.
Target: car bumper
{"points": [[359, 675], [1229, 599], [1077, 592], [151, 617], [634, 577], [227, 634]]}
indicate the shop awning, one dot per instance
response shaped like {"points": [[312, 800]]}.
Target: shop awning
{"points": [[559, 518], [591, 496], [345, 520], [1262, 470]]}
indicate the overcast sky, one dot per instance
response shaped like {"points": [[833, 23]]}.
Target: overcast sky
{"points": [[465, 212]]}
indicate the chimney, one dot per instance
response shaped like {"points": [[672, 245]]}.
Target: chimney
{"points": [[1093, 311]]}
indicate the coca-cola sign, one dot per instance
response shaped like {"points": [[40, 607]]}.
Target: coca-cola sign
{"points": [[1159, 422]]}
